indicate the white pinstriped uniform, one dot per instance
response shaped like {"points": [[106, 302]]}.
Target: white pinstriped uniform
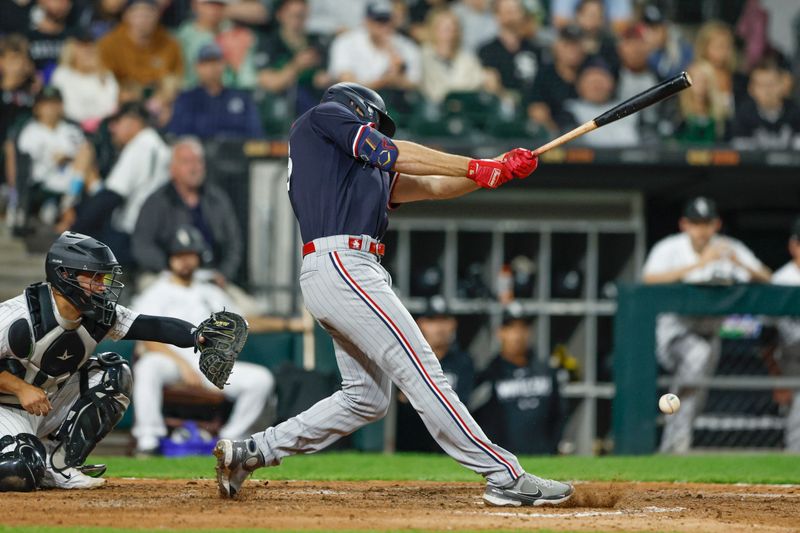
{"points": [[62, 390], [377, 342]]}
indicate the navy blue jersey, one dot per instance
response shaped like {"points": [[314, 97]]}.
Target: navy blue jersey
{"points": [[332, 192]]}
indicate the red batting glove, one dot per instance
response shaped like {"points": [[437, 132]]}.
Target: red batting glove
{"points": [[488, 173], [521, 162]]}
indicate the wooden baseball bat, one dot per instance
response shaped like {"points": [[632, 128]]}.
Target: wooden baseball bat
{"points": [[636, 103]]}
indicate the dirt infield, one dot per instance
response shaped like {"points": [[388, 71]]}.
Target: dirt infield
{"points": [[149, 504]]}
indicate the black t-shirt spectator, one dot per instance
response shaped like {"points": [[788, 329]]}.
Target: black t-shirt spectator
{"points": [[412, 435], [46, 49], [524, 412], [274, 53], [754, 129], [16, 107], [518, 70], [551, 89]]}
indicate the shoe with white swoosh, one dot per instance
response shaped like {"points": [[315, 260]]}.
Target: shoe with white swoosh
{"points": [[528, 490]]}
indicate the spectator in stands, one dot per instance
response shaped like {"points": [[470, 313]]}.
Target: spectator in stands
{"points": [[596, 87], [620, 12], [670, 54], [704, 110], [48, 33], [140, 49], [478, 22], [418, 13], [787, 359], [102, 16], [375, 54], [597, 40], [446, 65], [521, 407], [634, 76], [768, 121], [90, 91], [438, 326], [515, 58], [688, 347], [18, 88], [105, 151], [178, 294], [715, 45], [212, 110], [211, 24], [189, 199], [142, 167], [290, 59], [60, 158], [555, 82]]}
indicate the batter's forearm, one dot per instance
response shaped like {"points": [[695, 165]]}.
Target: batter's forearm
{"points": [[418, 160], [444, 187]]}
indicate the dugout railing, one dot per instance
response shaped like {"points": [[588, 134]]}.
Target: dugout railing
{"points": [[636, 378]]}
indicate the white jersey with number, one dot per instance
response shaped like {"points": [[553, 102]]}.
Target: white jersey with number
{"points": [[193, 304], [676, 252]]}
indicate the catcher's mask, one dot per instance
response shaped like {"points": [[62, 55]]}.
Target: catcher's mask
{"points": [[74, 254], [365, 102]]}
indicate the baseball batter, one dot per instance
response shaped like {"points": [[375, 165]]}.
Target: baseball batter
{"points": [[345, 174], [57, 400]]}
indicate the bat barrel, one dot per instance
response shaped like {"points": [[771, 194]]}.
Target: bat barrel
{"points": [[647, 98]]}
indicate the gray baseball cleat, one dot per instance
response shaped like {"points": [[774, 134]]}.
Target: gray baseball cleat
{"points": [[236, 460], [528, 490]]}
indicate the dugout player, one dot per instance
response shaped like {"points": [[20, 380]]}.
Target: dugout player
{"points": [[345, 174], [176, 293], [689, 346], [57, 400]]}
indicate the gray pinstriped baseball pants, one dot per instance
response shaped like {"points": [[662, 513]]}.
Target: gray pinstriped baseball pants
{"points": [[377, 342]]}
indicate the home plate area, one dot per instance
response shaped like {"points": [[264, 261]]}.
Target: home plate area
{"points": [[391, 505]]}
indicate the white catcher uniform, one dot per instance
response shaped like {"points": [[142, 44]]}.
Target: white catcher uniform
{"points": [[56, 361], [688, 346], [789, 354], [250, 386]]}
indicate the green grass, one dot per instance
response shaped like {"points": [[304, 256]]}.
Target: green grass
{"points": [[349, 466]]}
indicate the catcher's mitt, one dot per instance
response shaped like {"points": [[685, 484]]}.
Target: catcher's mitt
{"points": [[224, 335]]}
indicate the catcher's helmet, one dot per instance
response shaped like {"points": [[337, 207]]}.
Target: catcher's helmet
{"points": [[188, 238], [73, 254], [365, 102]]}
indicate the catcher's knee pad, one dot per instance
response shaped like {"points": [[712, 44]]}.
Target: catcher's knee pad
{"points": [[22, 463], [96, 411]]}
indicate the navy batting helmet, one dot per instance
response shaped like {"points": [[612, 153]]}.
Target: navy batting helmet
{"points": [[75, 253], [365, 102]]}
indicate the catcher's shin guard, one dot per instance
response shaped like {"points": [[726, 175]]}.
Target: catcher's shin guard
{"points": [[22, 463], [96, 411]]}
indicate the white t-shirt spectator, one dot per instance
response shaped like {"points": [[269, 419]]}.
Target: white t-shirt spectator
{"points": [[328, 18], [622, 133], [676, 251], [788, 274], [439, 77], [354, 52], [86, 96], [142, 167], [46, 147]]}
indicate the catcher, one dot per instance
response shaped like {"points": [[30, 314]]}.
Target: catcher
{"points": [[57, 400]]}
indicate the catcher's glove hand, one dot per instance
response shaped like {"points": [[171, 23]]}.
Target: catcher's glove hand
{"points": [[219, 339]]}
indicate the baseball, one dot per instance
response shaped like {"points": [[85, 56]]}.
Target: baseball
{"points": [[669, 404]]}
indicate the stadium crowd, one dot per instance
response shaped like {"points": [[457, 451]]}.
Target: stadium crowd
{"points": [[104, 105]]}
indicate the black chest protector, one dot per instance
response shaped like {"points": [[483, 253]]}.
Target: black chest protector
{"points": [[45, 353]]}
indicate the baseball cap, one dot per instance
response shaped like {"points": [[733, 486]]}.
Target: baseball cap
{"points": [[379, 10], [633, 32], [652, 16], [700, 209], [435, 306], [595, 62], [49, 94], [132, 109], [571, 32], [188, 238], [83, 35], [513, 312], [209, 52]]}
